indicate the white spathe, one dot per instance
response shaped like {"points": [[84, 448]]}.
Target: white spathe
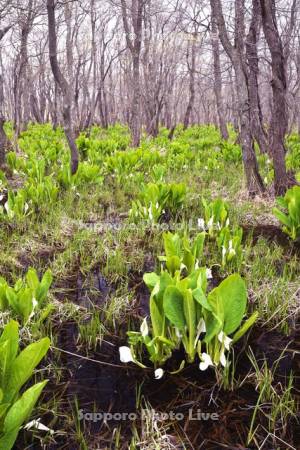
{"points": [[201, 326], [159, 373], [38, 426], [209, 274], [201, 223], [125, 355], [224, 340], [144, 328], [206, 362], [223, 360]]}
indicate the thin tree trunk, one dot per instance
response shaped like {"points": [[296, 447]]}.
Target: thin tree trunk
{"points": [[134, 46], [63, 85], [218, 79], [279, 120], [192, 68], [235, 53], [257, 129]]}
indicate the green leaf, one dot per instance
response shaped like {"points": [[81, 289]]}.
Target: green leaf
{"points": [[283, 218], [43, 287], [18, 413], [200, 297], [173, 264], [157, 319], [245, 327], [172, 244], [23, 366], [173, 307], [9, 346], [150, 279], [229, 302], [32, 279]]}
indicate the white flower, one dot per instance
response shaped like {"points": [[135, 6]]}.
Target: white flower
{"points": [[150, 212], [125, 355], [206, 362], [224, 340], [6, 206], [209, 274], [178, 333], [223, 360], [224, 251], [157, 205], [34, 305], [227, 222], [201, 223], [38, 426], [144, 328], [210, 222], [158, 373], [201, 326]]}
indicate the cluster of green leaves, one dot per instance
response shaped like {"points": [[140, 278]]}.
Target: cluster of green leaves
{"points": [[290, 219], [125, 164], [27, 296], [217, 225], [216, 216], [16, 368], [182, 312], [156, 199], [293, 153], [15, 207], [230, 242]]}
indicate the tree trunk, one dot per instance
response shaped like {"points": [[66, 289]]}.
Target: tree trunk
{"points": [[218, 79], [192, 68], [63, 85], [235, 53], [279, 119], [134, 44], [257, 129], [4, 141]]}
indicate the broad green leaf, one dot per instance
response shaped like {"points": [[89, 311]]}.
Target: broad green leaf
{"points": [[198, 245], [173, 264], [23, 367], [18, 413], [172, 244], [190, 313], [229, 302], [43, 287], [150, 279], [173, 307], [200, 297], [245, 327], [213, 325], [9, 345], [32, 279], [157, 319], [283, 218]]}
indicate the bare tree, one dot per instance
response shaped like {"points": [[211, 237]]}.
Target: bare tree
{"points": [[279, 121], [4, 142], [236, 54], [218, 79], [63, 86], [134, 21]]}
